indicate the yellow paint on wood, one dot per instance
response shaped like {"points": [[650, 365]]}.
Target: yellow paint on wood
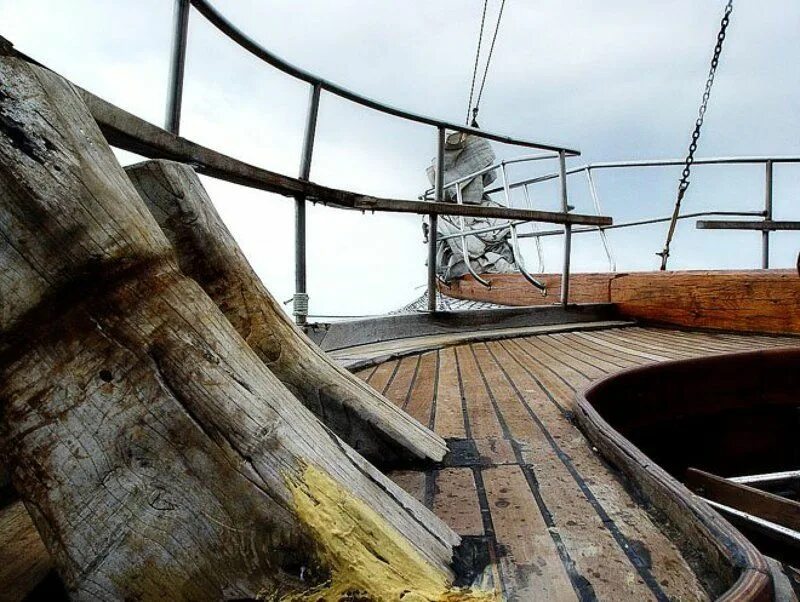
{"points": [[367, 557]]}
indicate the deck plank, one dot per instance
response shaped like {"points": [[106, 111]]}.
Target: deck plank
{"points": [[400, 386], [412, 482], [383, 375], [531, 560], [449, 417], [456, 502], [481, 415], [420, 398], [576, 349], [584, 531], [599, 351], [627, 349], [634, 524]]}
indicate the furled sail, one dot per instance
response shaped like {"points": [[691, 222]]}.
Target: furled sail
{"points": [[488, 252]]}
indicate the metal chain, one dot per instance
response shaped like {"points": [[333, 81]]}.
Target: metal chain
{"points": [[477, 57], [683, 184]]}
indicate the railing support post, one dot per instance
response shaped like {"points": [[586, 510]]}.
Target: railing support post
{"points": [[434, 220], [767, 215], [300, 304], [172, 121], [562, 169]]}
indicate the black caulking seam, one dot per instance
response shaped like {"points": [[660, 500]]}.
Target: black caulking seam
{"points": [[391, 378], [583, 589], [432, 418], [413, 381], [636, 560], [483, 502]]}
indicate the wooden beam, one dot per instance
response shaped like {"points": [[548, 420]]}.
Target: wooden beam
{"points": [[763, 225], [129, 132], [753, 501]]}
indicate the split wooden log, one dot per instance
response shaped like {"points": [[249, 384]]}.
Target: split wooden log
{"points": [[207, 252], [158, 456]]}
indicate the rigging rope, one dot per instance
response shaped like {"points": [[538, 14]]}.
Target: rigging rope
{"points": [[474, 109], [477, 56], [683, 184]]}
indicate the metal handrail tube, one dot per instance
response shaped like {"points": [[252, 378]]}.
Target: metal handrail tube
{"points": [[562, 172], [612, 263], [518, 259], [480, 172], [219, 21], [768, 182], [753, 160], [177, 65], [301, 288], [433, 220], [699, 161]]}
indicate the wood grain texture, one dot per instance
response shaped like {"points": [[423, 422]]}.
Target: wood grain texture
{"points": [[747, 301], [513, 289], [207, 252], [151, 445], [24, 561], [606, 541], [771, 507]]}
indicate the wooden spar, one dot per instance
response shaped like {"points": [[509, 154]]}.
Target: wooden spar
{"points": [[158, 456], [207, 252], [767, 224], [762, 504], [127, 131]]}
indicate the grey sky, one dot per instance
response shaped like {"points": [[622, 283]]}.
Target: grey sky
{"points": [[619, 79]]}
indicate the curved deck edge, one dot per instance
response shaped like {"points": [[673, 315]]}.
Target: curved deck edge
{"points": [[734, 558]]}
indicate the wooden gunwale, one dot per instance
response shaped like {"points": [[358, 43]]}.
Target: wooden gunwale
{"points": [[696, 520]]}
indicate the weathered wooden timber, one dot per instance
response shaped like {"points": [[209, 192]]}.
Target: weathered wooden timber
{"points": [[157, 454], [762, 504], [767, 225], [208, 253], [741, 300], [550, 518]]}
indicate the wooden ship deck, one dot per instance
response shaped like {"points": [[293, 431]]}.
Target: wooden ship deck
{"points": [[557, 521]]}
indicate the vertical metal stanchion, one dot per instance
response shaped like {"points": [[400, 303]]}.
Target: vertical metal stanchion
{"points": [[432, 231], [767, 216], [562, 169], [300, 301], [172, 121]]}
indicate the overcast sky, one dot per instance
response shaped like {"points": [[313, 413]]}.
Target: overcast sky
{"points": [[618, 79]]}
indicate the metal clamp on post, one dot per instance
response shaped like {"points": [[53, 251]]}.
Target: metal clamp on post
{"points": [[300, 305]]}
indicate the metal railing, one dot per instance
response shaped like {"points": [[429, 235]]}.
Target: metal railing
{"points": [[319, 85], [766, 225]]}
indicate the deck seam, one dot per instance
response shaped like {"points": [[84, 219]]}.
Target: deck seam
{"points": [[636, 560], [583, 588], [480, 488]]}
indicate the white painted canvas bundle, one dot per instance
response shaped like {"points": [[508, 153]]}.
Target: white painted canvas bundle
{"points": [[489, 252]]}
